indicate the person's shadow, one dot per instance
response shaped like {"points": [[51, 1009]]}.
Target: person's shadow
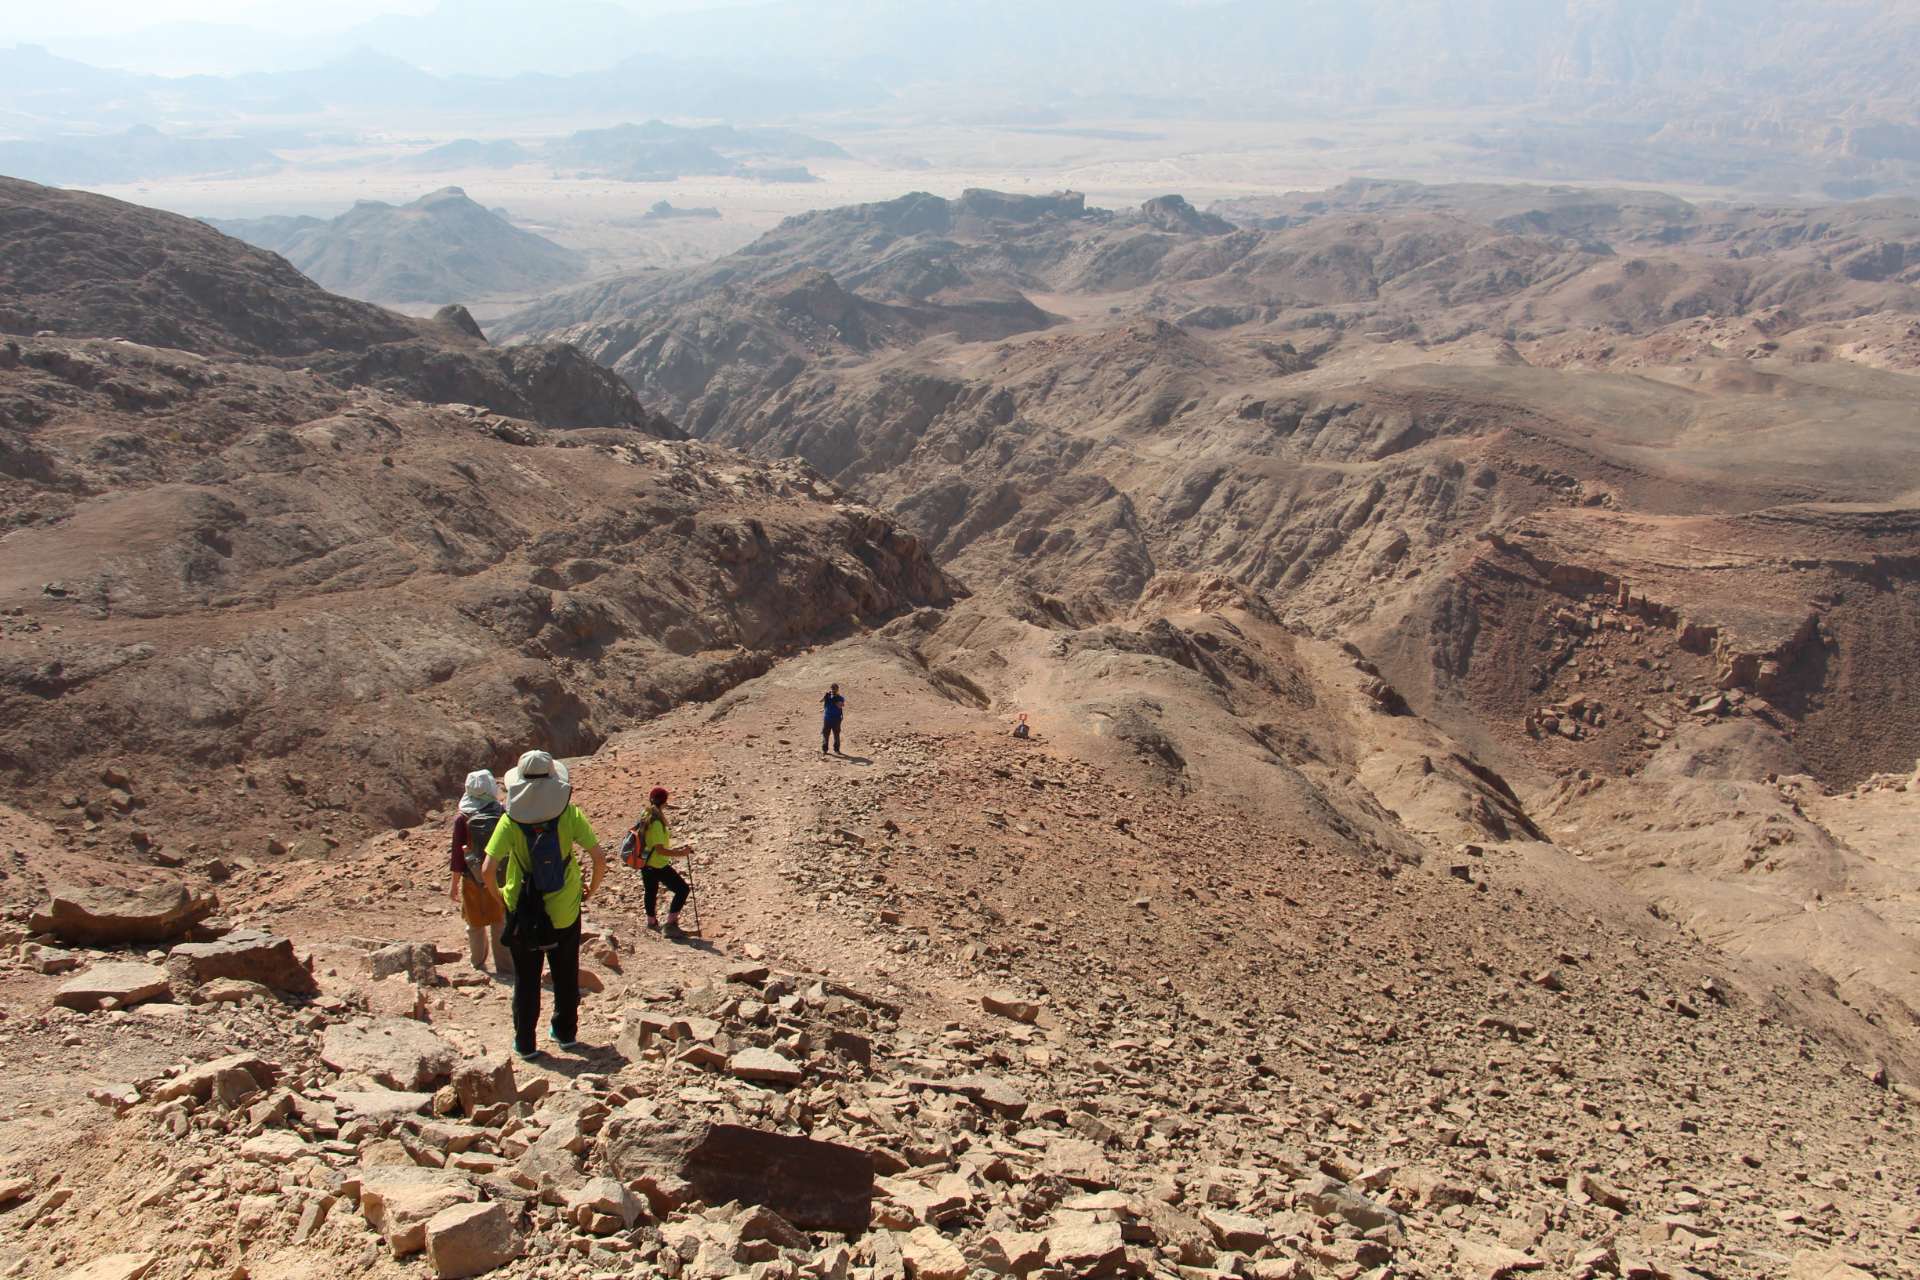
{"points": [[584, 1060], [853, 759]]}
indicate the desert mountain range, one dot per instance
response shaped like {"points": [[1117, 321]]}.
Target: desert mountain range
{"points": [[1465, 828], [1566, 469]]}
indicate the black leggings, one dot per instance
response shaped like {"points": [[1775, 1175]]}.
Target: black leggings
{"points": [[830, 729], [564, 961], [654, 877]]}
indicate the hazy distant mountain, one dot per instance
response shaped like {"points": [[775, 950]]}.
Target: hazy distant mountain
{"points": [[1779, 93], [441, 248], [192, 48], [659, 152], [468, 153], [369, 86], [275, 232], [471, 36], [139, 154], [1841, 53]]}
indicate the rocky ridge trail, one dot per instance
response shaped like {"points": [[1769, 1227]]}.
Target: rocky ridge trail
{"points": [[1080, 1018]]}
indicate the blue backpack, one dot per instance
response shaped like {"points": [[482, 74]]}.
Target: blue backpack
{"points": [[548, 864]]}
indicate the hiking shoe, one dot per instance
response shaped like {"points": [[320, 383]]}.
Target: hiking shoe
{"points": [[527, 1055], [653, 924], [565, 1046]]}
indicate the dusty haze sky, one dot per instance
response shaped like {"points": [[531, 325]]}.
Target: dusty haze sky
{"points": [[77, 18]]}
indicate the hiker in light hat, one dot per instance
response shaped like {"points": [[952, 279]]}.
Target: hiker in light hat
{"points": [[537, 878], [480, 813]]}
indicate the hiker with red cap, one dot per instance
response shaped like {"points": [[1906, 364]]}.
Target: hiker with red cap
{"points": [[656, 855]]}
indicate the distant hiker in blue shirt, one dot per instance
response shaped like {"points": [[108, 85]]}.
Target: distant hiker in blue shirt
{"points": [[832, 707]]}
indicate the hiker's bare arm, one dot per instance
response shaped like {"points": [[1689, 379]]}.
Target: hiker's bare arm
{"points": [[599, 869], [453, 890], [493, 881]]}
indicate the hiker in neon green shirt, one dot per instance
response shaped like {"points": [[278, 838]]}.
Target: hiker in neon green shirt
{"points": [[656, 855], [540, 796]]}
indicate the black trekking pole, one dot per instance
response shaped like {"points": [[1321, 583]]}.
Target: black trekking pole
{"points": [[693, 895]]}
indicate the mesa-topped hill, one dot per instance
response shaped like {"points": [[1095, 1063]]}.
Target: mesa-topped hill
{"points": [[442, 248]]}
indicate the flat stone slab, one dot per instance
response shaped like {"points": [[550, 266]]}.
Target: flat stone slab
{"points": [[105, 916], [814, 1185], [115, 1266], [382, 1104], [765, 1066], [125, 982], [398, 1052], [277, 1146]]}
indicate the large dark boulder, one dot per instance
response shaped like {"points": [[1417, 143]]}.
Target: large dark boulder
{"points": [[816, 1186], [249, 955]]}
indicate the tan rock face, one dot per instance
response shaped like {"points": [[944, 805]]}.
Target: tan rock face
{"points": [[212, 1080], [382, 1106], [1008, 1005], [1235, 1231], [467, 1240], [602, 1206], [484, 1082], [1092, 1249], [397, 997], [399, 1200], [931, 1256]]}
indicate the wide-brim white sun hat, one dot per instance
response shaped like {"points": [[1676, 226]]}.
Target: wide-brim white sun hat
{"points": [[537, 788]]}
